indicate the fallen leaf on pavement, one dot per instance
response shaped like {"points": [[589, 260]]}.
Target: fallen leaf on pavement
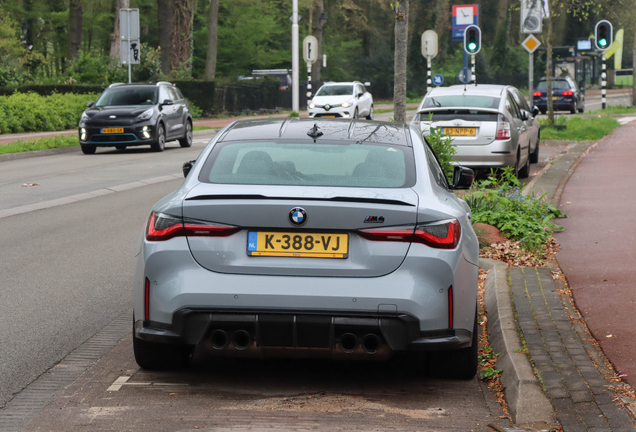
{"points": [[30, 184]]}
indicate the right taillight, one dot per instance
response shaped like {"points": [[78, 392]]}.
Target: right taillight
{"points": [[537, 93], [162, 227], [439, 235], [503, 128]]}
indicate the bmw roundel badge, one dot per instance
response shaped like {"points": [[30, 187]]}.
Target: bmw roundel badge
{"points": [[298, 216]]}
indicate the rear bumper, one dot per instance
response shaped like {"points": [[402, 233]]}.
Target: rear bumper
{"points": [[498, 154], [557, 104], [301, 331]]}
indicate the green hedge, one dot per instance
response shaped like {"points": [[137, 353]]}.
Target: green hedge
{"points": [[199, 93], [30, 112], [49, 89]]}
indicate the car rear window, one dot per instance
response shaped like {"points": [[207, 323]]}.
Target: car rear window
{"points": [[458, 114], [308, 164], [128, 96], [556, 85], [466, 101], [335, 90]]}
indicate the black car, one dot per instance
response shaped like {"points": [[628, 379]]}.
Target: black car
{"points": [[566, 95], [136, 114]]}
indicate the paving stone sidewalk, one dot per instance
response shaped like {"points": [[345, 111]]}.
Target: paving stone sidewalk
{"points": [[577, 390]]}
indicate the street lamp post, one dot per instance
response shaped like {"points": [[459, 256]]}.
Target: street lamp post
{"points": [[323, 20], [295, 77]]}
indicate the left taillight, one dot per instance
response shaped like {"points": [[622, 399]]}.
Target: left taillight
{"points": [[439, 235], [162, 227]]}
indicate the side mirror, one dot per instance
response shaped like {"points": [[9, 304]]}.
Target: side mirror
{"points": [[462, 178], [360, 94], [167, 102], [524, 115], [367, 84], [187, 167], [535, 111], [90, 104]]}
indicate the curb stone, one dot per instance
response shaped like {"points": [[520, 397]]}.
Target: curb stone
{"points": [[526, 400]]}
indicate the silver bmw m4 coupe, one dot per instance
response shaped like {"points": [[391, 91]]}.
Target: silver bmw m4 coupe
{"points": [[317, 238]]}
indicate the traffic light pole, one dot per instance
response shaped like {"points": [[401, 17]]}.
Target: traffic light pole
{"points": [[308, 82], [531, 79], [473, 77], [603, 80], [429, 83]]}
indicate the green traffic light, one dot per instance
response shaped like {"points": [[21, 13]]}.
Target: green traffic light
{"points": [[602, 42], [472, 46]]}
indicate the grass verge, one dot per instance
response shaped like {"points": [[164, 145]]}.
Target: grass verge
{"points": [[614, 109], [40, 144], [200, 128], [580, 129]]}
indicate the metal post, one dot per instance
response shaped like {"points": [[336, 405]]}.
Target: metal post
{"points": [[429, 83], [603, 81], [472, 69], [295, 102], [308, 82], [129, 58], [531, 79]]}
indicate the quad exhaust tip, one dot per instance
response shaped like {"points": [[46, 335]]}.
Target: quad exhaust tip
{"points": [[348, 342], [241, 340], [371, 343], [219, 339]]}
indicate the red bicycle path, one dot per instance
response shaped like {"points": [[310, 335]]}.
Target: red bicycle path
{"points": [[598, 246]]}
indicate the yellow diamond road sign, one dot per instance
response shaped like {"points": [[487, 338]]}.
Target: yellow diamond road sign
{"points": [[531, 44]]}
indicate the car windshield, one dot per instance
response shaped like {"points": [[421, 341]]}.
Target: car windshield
{"points": [[469, 101], [128, 96], [335, 90], [324, 164], [556, 85]]}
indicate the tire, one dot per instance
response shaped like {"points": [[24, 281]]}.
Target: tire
{"points": [[543, 111], [525, 171], [158, 356], [573, 110], [89, 148], [120, 147], [160, 144], [516, 167], [370, 116], [186, 141], [355, 113], [456, 364], [582, 110], [534, 156]]}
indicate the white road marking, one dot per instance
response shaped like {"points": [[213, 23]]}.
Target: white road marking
{"points": [[625, 120], [118, 383], [123, 380]]}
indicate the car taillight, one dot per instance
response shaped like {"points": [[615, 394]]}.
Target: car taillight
{"points": [[443, 235], [567, 93], [537, 93], [163, 227], [503, 128]]}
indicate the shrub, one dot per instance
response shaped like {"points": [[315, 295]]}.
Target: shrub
{"points": [[30, 112], [442, 146], [498, 201]]}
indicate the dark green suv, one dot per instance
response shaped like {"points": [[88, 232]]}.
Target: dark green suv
{"points": [[136, 114]]}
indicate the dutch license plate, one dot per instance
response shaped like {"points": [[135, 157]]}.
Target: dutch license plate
{"points": [[555, 98], [289, 244], [460, 131], [328, 116], [112, 130]]}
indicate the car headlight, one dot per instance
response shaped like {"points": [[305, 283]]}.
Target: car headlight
{"points": [[312, 105], [146, 114], [85, 117], [347, 104]]}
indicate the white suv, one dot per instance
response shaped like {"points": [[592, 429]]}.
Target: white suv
{"points": [[342, 100]]}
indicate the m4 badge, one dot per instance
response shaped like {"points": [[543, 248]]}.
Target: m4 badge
{"points": [[374, 219]]}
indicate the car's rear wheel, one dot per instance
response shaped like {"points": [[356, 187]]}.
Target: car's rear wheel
{"points": [[160, 144], [543, 111], [582, 110], [88, 148], [158, 356], [534, 156], [525, 171], [370, 116], [186, 141], [573, 110], [457, 364]]}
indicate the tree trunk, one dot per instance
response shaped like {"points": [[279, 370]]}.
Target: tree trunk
{"points": [[74, 29], [213, 25], [164, 11], [443, 25], [399, 71], [548, 62], [634, 70], [181, 34], [319, 9], [115, 40]]}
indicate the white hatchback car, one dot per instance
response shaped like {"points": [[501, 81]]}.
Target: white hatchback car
{"points": [[342, 100]]}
